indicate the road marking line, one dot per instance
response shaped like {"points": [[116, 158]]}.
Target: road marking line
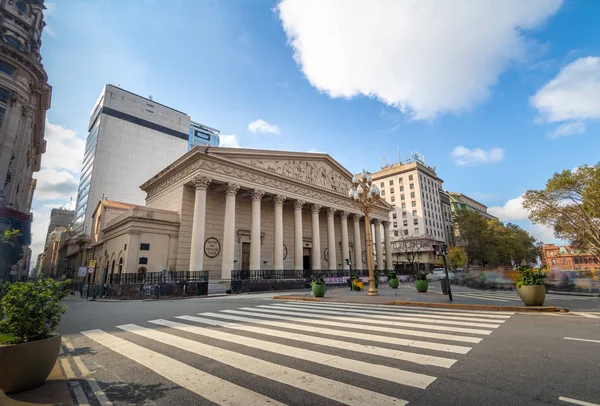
{"points": [[346, 334], [577, 402], [395, 375], [582, 339], [73, 384], [471, 296], [591, 316], [423, 325], [375, 315], [98, 392], [338, 391], [418, 309], [421, 311], [210, 387], [369, 349]]}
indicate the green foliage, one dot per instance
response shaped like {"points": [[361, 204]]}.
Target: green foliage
{"points": [[492, 242], [457, 257], [530, 276], [570, 205], [10, 250], [31, 310], [353, 276], [392, 275], [318, 280], [421, 276]]}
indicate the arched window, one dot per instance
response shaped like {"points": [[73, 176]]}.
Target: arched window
{"points": [[576, 260], [141, 273], [112, 267], [553, 262], [120, 266]]}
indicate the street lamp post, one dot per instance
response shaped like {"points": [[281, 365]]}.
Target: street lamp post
{"points": [[442, 251], [366, 193]]}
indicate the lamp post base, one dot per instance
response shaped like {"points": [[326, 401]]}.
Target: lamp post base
{"points": [[372, 293]]}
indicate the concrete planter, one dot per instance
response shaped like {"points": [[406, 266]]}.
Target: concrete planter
{"points": [[394, 283], [532, 295], [26, 366], [421, 286], [318, 290]]}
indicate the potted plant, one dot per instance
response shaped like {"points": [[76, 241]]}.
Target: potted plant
{"points": [[530, 285], [29, 313], [318, 286], [376, 279], [356, 283], [393, 281], [421, 282]]}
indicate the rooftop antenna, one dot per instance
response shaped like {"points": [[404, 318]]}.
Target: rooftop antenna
{"points": [[385, 163]]}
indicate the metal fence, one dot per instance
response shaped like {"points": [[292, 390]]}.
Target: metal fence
{"points": [[237, 275], [157, 277]]}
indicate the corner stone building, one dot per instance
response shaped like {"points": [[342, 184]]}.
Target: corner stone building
{"points": [[241, 209]]}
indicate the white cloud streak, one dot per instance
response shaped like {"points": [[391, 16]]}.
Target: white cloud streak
{"points": [[476, 156], [511, 211], [261, 126], [574, 94], [64, 149], [229, 141], [565, 130], [425, 57]]}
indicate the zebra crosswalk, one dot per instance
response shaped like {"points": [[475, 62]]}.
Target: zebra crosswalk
{"points": [[513, 296], [348, 354]]}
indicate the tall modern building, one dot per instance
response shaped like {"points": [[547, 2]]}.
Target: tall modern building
{"points": [[131, 138], [59, 218], [202, 136], [460, 201], [24, 99]]}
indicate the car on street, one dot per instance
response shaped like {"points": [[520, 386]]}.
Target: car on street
{"points": [[438, 274]]}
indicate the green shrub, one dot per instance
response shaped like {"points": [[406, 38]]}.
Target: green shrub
{"points": [[31, 311], [421, 276], [318, 280], [392, 275], [530, 276]]}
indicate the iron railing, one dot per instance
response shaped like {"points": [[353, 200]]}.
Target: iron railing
{"points": [[263, 274], [157, 277]]}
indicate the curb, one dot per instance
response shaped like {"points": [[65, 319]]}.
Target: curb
{"points": [[521, 309]]}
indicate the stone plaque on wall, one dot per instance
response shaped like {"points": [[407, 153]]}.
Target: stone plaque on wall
{"points": [[284, 252], [212, 247]]}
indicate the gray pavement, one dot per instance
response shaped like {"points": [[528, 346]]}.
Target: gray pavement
{"points": [[255, 350]]}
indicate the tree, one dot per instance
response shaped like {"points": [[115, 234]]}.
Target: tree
{"points": [[457, 257], [570, 205], [409, 248], [11, 251], [472, 228]]}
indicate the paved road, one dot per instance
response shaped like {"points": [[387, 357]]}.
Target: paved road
{"points": [[250, 350]]}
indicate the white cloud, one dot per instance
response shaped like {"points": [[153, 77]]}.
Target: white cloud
{"points": [[476, 156], [50, 8], [64, 149], [564, 130], [229, 141], [544, 234], [261, 126], [39, 229], [53, 184], [49, 31], [425, 57], [512, 210], [574, 94], [315, 151]]}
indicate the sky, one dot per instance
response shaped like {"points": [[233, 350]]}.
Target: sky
{"points": [[497, 95]]}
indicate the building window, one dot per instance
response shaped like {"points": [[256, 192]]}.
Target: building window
{"points": [[13, 42], [382, 184], [2, 110], [395, 233], [405, 223], [22, 6], [144, 247], [403, 214], [395, 224], [401, 179], [391, 182], [394, 215], [401, 197], [416, 222], [392, 190], [402, 188], [405, 232], [393, 199], [416, 231], [143, 261], [412, 185], [383, 193], [414, 212], [404, 205], [125, 249], [4, 95], [7, 68], [413, 203], [410, 177], [412, 195]]}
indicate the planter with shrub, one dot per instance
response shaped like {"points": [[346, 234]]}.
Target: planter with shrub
{"points": [[356, 283], [530, 286], [29, 313], [318, 286], [393, 281], [421, 282]]}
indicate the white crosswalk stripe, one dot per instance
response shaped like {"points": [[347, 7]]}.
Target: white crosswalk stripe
{"points": [[363, 343], [512, 296]]}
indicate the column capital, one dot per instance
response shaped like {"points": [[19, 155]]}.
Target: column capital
{"points": [[298, 204], [331, 211], [257, 195], [377, 222], [344, 215], [316, 208], [278, 200], [201, 182], [357, 217], [231, 189], [386, 223]]}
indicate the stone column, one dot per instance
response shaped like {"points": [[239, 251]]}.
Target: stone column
{"points": [[316, 238], [198, 223], [357, 243], [278, 249], [298, 249], [255, 242], [331, 238], [378, 248], [389, 265], [345, 244], [229, 231]]}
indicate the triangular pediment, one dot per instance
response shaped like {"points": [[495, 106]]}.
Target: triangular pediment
{"points": [[310, 168]]}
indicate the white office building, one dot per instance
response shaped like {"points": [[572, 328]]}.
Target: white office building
{"points": [[131, 139]]}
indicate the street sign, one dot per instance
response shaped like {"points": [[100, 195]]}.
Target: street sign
{"points": [[91, 270], [92, 263], [82, 271], [13, 268], [13, 272]]}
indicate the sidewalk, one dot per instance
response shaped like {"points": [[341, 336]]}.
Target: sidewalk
{"points": [[407, 295], [54, 392]]}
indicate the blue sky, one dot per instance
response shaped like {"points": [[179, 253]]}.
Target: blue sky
{"points": [[497, 95]]}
